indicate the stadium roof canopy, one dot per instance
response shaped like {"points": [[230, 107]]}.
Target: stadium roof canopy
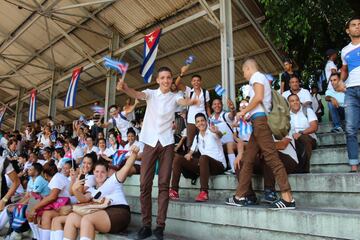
{"points": [[41, 41]]}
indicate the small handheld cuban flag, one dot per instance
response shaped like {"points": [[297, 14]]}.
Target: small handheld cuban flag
{"points": [[98, 109], [71, 93], [190, 60], [219, 90], [32, 106], [2, 114], [151, 43], [119, 158], [119, 66], [245, 129]]}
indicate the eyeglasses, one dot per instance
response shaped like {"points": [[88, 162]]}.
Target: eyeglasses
{"points": [[244, 104]]}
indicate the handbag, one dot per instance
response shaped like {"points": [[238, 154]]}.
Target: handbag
{"points": [[91, 207]]}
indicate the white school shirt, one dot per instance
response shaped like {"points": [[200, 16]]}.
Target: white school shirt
{"points": [[59, 181], [304, 95], [222, 124], [77, 153], [261, 79], [111, 189], [140, 145], [330, 65], [93, 149], [194, 109], [299, 122], [350, 56], [290, 148], [121, 124], [159, 116], [209, 145]]}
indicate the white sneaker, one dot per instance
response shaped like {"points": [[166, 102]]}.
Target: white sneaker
{"points": [[15, 236]]}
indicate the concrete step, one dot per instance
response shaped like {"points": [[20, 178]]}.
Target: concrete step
{"points": [[218, 221], [330, 160], [332, 139], [132, 233], [339, 191], [325, 127]]}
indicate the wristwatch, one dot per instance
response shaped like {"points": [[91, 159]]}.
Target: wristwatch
{"points": [[5, 200]]}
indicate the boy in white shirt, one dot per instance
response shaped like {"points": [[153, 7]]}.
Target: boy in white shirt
{"points": [[158, 138], [304, 95]]}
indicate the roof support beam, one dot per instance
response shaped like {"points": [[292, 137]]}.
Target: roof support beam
{"points": [[212, 17], [19, 106], [53, 94], [81, 5]]}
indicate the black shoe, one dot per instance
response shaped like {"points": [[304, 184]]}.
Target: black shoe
{"points": [[269, 196], [144, 232], [159, 233], [281, 204], [241, 202]]}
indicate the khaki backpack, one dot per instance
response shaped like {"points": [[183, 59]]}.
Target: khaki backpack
{"points": [[279, 116]]}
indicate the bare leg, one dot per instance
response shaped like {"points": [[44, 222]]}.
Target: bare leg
{"points": [[72, 224], [91, 223]]}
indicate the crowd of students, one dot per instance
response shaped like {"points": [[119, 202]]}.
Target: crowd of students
{"points": [[45, 169]]}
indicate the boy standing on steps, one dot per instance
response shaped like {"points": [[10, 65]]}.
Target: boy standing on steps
{"points": [[158, 138], [261, 141]]}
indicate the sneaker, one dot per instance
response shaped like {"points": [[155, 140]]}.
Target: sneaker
{"points": [[269, 196], [144, 232], [337, 130], [282, 204], [202, 197], [159, 233], [241, 202], [229, 172], [15, 236], [173, 195]]}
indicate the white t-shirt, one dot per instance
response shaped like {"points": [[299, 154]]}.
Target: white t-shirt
{"points": [[159, 117], [299, 122], [330, 65], [260, 79], [45, 141], [350, 56], [90, 181], [223, 125], [193, 110], [304, 95], [111, 189], [315, 102], [339, 96], [290, 149], [3, 143], [59, 181], [140, 145], [77, 153], [210, 145], [93, 149], [121, 124]]}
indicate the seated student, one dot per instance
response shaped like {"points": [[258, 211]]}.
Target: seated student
{"points": [[58, 197], [211, 161], [90, 147], [112, 219], [316, 102], [336, 102], [47, 155], [77, 152], [7, 191], [131, 136], [223, 121], [303, 94], [304, 124]]}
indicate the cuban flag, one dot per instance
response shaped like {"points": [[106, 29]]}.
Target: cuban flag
{"points": [[119, 66], [151, 43], [2, 114], [119, 157], [71, 93], [32, 108], [219, 90], [245, 129]]}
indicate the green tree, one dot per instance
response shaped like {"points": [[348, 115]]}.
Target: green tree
{"points": [[304, 29]]}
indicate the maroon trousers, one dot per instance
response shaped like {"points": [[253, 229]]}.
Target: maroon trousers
{"points": [[147, 172]]}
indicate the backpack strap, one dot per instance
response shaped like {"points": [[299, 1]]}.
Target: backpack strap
{"points": [[123, 117], [223, 116], [204, 95]]}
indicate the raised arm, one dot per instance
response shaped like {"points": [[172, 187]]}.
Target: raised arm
{"points": [[122, 86], [132, 107], [122, 174], [179, 84]]}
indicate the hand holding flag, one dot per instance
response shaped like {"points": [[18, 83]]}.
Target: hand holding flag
{"points": [[219, 90], [119, 66], [190, 60]]}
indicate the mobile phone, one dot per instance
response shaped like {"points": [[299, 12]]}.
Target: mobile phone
{"points": [[97, 195], [82, 176]]}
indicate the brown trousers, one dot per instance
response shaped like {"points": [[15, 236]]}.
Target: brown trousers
{"points": [[261, 141], [147, 171], [203, 166], [304, 146], [191, 132]]}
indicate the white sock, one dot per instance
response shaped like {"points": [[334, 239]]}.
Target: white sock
{"points": [[52, 235], [32, 227], [45, 234], [231, 157], [58, 235], [66, 238], [35, 230], [40, 232], [85, 238], [4, 218]]}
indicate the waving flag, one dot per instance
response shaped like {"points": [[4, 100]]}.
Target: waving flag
{"points": [[32, 108], [119, 157], [71, 93], [219, 90], [151, 43], [2, 113], [120, 67]]}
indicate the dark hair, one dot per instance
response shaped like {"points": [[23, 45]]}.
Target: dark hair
{"points": [[60, 151], [292, 95], [347, 25], [294, 76], [92, 156], [218, 100], [74, 142], [102, 163], [72, 163], [112, 106], [11, 141], [288, 60], [89, 136], [49, 117], [24, 155], [196, 76], [334, 74], [164, 69], [50, 168], [38, 167], [100, 139], [48, 149], [200, 115], [131, 130]]}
